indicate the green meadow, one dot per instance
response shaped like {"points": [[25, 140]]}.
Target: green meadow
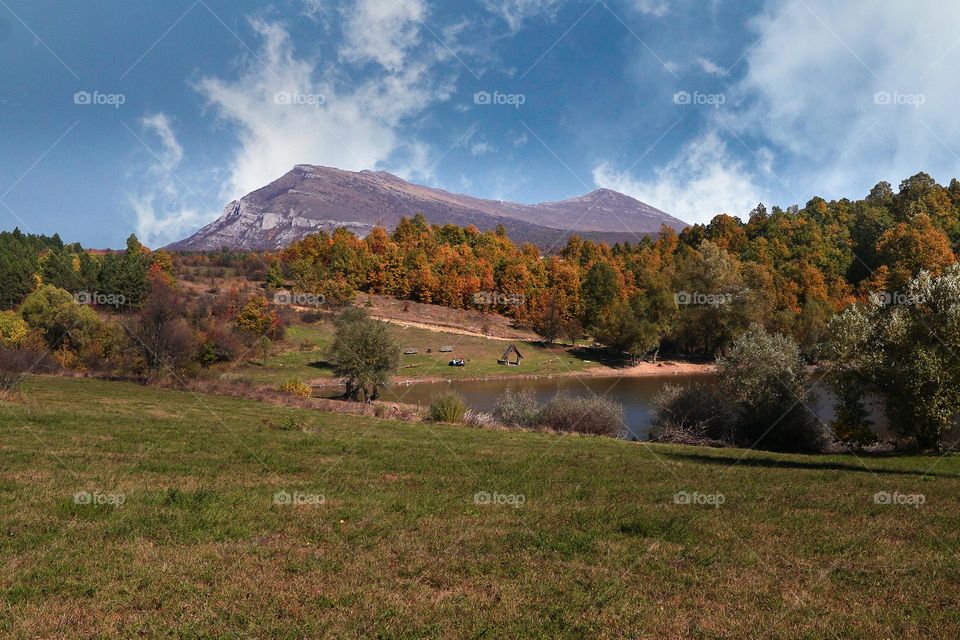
{"points": [[302, 356], [128, 511]]}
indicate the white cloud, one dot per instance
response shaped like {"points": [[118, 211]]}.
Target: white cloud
{"points": [[382, 31], [813, 82], [159, 124], [286, 114], [320, 11], [165, 208], [652, 7], [709, 66], [480, 148], [702, 181], [515, 12]]}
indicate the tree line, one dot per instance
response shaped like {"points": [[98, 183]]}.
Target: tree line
{"points": [[787, 270], [27, 260]]}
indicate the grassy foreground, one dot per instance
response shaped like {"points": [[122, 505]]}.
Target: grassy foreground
{"points": [[583, 539]]}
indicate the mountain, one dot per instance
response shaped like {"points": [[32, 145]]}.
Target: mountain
{"points": [[309, 198]]}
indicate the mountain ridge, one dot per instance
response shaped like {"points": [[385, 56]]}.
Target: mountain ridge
{"points": [[311, 198]]}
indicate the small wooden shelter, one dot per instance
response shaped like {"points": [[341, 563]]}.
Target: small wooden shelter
{"points": [[513, 352]]}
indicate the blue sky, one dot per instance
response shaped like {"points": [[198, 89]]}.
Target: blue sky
{"points": [[121, 116]]}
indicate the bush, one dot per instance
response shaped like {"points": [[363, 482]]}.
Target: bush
{"points": [[447, 407], [295, 387], [516, 409], [54, 312], [479, 419], [165, 342], [765, 379], [695, 413], [593, 415], [8, 382], [17, 363], [221, 344], [13, 330]]}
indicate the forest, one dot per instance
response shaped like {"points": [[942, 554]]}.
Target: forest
{"points": [[788, 270]]}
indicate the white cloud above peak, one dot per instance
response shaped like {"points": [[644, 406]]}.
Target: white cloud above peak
{"points": [[165, 207], [289, 110], [703, 180], [382, 31]]}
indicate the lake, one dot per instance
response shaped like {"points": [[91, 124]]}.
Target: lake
{"points": [[634, 393]]}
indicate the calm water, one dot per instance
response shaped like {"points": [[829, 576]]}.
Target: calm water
{"points": [[635, 394]]}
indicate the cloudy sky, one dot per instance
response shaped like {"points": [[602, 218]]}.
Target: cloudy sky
{"points": [[123, 116]]}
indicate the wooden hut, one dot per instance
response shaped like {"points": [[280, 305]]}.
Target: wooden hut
{"points": [[511, 356]]}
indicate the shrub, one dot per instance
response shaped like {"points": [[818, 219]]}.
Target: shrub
{"points": [[220, 345], [17, 363], [8, 382], [691, 413], [449, 406], [54, 312], [765, 378], [165, 342], [479, 419], [295, 387], [13, 330], [516, 409], [256, 319], [593, 415]]}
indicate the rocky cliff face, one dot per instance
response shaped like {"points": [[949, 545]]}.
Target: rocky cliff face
{"points": [[309, 199]]}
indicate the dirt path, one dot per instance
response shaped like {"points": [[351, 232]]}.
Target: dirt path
{"points": [[440, 328]]}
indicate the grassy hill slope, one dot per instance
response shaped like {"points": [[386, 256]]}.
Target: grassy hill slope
{"points": [[400, 547]]}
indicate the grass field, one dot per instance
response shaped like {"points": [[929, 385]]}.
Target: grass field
{"points": [[302, 357], [584, 538]]}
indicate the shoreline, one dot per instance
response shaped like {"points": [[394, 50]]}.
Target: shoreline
{"points": [[664, 368]]}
